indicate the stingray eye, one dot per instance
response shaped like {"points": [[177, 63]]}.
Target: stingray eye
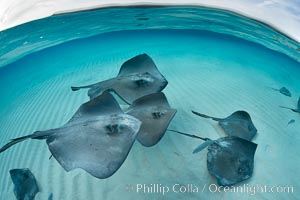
{"points": [[250, 128], [146, 75], [141, 82], [240, 170], [157, 115], [113, 129]]}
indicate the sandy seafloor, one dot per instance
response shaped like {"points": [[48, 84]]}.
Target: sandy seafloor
{"points": [[207, 72]]}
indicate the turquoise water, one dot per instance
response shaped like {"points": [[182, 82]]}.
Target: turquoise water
{"points": [[58, 29], [215, 62]]}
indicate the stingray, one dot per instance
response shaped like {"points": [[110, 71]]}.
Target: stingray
{"points": [[97, 138], [25, 185], [50, 197], [283, 91], [238, 124], [291, 122], [155, 114], [137, 77], [297, 110], [229, 159]]}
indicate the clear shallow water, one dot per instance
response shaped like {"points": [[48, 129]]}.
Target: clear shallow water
{"points": [[208, 72]]}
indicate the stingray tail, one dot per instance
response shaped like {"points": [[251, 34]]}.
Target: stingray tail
{"points": [[272, 88], [292, 109], [202, 146], [287, 108], [189, 135], [205, 116], [14, 141], [81, 87]]}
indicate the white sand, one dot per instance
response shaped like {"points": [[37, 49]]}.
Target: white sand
{"points": [[195, 82], [282, 14]]}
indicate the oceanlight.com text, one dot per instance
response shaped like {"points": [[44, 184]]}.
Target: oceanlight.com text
{"points": [[163, 189]]}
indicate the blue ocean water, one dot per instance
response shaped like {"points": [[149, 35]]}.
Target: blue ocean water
{"points": [[212, 64]]}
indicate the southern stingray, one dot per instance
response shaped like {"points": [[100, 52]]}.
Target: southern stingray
{"points": [[25, 185], [283, 90], [97, 138], [297, 110], [137, 77], [238, 124], [229, 159], [155, 113]]}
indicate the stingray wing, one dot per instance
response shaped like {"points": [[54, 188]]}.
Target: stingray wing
{"points": [[155, 114], [139, 64], [231, 160], [298, 104], [105, 104], [203, 146], [241, 115], [239, 124], [99, 146]]}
